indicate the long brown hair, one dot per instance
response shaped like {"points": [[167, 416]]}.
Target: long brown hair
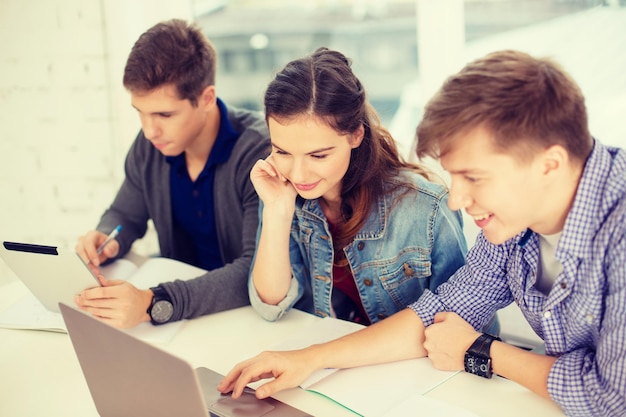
{"points": [[323, 85]]}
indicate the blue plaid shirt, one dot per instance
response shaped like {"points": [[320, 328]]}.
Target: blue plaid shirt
{"points": [[583, 318]]}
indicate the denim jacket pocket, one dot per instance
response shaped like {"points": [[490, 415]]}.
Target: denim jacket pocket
{"points": [[406, 278], [302, 235]]}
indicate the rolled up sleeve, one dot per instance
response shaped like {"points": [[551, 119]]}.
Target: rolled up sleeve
{"points": [[271, 312]]}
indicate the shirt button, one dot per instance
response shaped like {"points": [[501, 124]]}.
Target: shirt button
{"points": [[199, 213], [360, 246], [367, 282], [547, 314], [589, 318], [563, 285], [195, 193]]}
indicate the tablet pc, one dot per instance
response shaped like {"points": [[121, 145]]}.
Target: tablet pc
{"points": [[51, 273]]}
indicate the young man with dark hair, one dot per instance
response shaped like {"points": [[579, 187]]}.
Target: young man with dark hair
{"points": [[551, 202], [188, 172]]}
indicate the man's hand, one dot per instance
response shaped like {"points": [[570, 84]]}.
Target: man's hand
{"points": [[289, 368], [87, 248], [118, 303], [447, 340]]}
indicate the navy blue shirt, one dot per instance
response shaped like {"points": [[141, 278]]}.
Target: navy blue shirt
{"points": [[192, 201]]}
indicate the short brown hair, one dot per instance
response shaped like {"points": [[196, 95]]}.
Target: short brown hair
{"points": [[171, 52], [525, 102]]}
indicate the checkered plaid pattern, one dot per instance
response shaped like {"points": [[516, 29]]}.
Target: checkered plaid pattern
{"points": [[583, 318]]}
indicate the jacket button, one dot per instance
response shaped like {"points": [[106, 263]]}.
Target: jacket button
{"points": [[360, 246], [407, 270], [381, 316], [367, 282]]}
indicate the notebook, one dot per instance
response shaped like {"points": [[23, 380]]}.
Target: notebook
{"points": [[53, 274], [29, 313], [129, 377]]}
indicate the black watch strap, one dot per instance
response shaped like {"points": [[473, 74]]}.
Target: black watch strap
{"points": [[478, 356], [482, 345], [161, 308], [159, 294]]}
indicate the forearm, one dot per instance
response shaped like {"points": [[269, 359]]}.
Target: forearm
{"points": [[218, 290], [526, 368], [398, 337], [130, 205], [271, 272]]}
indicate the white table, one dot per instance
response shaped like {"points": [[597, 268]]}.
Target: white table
{"points": [[40, 375]]}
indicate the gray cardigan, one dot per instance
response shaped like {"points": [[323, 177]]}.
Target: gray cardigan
{"points": [[145, 194]]}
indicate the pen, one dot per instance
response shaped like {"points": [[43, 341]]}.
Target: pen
{"points": [[109, 238]]}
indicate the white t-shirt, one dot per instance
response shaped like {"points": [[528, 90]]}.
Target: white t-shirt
{"points": [[549, 266]]}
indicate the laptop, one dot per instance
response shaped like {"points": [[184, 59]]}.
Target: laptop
{"points": [[53, 274], [129, 377]]}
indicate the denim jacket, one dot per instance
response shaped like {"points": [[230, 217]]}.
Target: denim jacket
{"points": [[410, 242]]}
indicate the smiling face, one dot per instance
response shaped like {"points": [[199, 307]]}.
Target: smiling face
{"points": [[503, 194], [312, 155], [173, 125]]}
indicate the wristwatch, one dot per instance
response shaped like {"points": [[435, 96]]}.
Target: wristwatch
{"points": [[478, 358], [161, 309]]}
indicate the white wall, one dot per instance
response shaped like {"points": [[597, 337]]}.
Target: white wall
{"points": [[55, 152], [66, 121]]}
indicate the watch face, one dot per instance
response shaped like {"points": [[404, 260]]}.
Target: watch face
{"points": [[478, 366], [162, 311]]}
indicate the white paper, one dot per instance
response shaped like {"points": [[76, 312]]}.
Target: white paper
{"points": [[374, 389], [30, 314], [321, 331], [425, 406], [367, 390]]}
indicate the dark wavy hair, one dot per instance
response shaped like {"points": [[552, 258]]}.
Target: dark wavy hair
{"points": [[323, 85], [171, 52], [527, 103]]}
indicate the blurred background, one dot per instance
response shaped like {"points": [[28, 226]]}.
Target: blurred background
{"points": [[67, 121]]}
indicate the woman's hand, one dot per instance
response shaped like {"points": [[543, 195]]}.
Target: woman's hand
{"points": [[271, 186]]}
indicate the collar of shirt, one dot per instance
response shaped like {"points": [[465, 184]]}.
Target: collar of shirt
{"points": [[589, 206], [372, 229], [579, 226], [222, 148], [584, 220]]}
